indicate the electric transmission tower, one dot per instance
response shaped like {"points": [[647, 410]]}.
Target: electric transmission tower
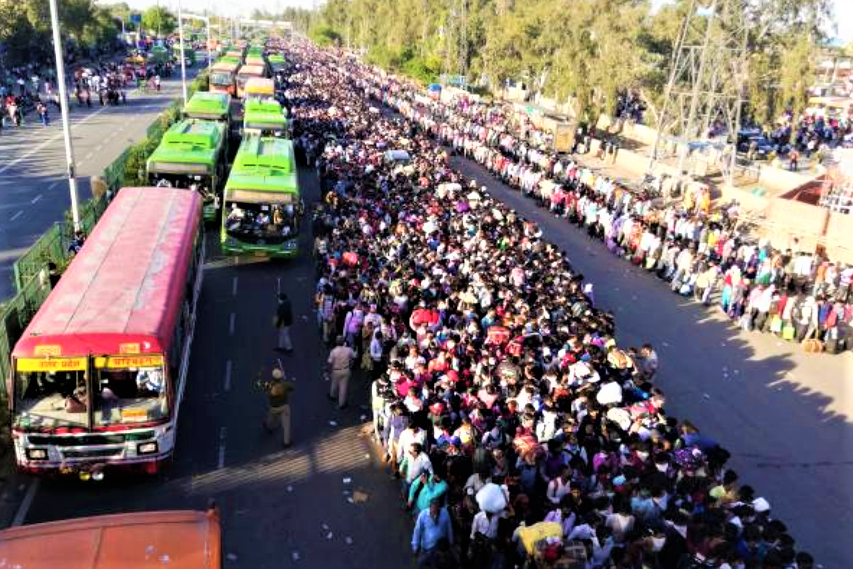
{"points": [[456, 38], [704, 93], [463, 39]]}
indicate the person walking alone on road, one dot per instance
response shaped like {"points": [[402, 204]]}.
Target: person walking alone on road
{"points": [[278, 393], [340, 364], [283, 321], [43, 114]]}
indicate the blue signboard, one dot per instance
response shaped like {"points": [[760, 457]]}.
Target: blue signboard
{"points": [[136, 19]]}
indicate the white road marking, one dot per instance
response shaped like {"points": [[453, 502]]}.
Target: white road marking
{"points": [[88, 156], [46, 143], [231, 324], [234, 287], [21, 514], [222, 433], [17, 215], [228, 367], [35, 199], [53, 185]]}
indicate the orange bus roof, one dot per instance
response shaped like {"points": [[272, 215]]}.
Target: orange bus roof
{"points": [[177, 539]]}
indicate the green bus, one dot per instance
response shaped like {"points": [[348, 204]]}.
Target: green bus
{"points": [[235, 53], [159, 55], [189, 53], [277, 62], [192, 155], [266, 117], [262, 204], [209, 106]]}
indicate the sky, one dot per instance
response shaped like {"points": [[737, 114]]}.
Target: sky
{"points": [[843, 9]]}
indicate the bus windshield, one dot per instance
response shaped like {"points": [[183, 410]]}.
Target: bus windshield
{"points": [[130, 395], [270, 223], [51, 399], [220, 78], [202, 184]]}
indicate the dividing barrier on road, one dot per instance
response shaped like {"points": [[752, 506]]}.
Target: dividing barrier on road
{"points": [[31, 272]]}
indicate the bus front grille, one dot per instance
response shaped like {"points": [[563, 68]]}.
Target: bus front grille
{"points": [[92, 453]]}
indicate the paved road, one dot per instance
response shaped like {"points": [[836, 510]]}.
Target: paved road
{"points": [[786, 416], [274, 502], [33, 187], [783, 415]]}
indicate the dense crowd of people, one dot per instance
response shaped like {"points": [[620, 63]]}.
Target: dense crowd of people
{"points": [[698, 250], [520, 432]]}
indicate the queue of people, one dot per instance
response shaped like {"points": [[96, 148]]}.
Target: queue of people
{"points": [[518, 430], [791, 292]]}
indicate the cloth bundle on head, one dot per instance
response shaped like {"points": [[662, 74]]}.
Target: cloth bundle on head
{"points": [[491, 498], [621, 417]]}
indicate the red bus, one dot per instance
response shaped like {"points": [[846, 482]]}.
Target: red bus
{"points": [[99, 374]]}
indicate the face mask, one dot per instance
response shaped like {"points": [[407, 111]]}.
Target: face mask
{"points": [[662, 467], [643, 455], [657, 543]]}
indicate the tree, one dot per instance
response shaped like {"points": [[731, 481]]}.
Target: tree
{"points": [[75, 16], [796, 75], [124, 13], [23, 42], [585, 51], [159, 20]]}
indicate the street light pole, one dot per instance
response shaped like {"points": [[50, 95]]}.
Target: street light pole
{"points": [[63, 105], [209, 59], [183, 62]]}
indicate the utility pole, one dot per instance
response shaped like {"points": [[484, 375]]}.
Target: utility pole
{"points": [[706, 83], [63, 105], [183, 61]]}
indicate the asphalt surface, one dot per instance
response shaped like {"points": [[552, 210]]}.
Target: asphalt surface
{"points": [[34, 190], [274, 502], [783, 414], [786, 416]]}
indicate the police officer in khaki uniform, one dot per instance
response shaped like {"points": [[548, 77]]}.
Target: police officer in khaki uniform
{"points": [[278, 392], [340, 364]]}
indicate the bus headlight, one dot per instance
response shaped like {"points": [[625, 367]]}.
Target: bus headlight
{"points": [[37, 453], [146, 448]]}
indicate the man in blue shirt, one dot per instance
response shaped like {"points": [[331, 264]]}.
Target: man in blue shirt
{"points": [[433, 525]]}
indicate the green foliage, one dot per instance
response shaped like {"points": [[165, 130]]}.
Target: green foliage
{"points": [[325, 36], [159, 20], [25, 27], [583, 51]]}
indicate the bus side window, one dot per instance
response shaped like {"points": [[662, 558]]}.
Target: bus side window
{"points": [[192, 274]]}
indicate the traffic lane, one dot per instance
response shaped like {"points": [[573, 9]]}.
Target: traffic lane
{"points": [[45, 148], [224, 454], [298, 494], [31, 218], [31, 203], [726, 383]]}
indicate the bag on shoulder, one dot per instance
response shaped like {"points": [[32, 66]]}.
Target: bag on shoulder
{"points": [[366, 361]]}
